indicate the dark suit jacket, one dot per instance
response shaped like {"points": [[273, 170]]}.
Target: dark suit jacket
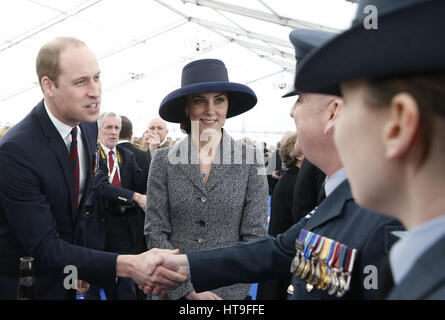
{"points": [[36, 211], [426, 279], [143, 158], [280, 221], [338, 218], [307, 188], [120, 217], [281, 203]]}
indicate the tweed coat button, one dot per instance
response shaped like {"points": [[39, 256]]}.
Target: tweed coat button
{"points": [[203, 199], [202, 223], [200, 240]]}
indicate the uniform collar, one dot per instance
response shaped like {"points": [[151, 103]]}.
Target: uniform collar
{"points": [[334, 181], [413, 244]]}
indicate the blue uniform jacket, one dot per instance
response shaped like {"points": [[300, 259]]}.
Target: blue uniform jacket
{"points": [[338, 217]]}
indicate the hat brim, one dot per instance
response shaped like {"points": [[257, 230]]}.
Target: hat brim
{"points": [[334, 90], [291, 93], [407, 41], [241, 99]]}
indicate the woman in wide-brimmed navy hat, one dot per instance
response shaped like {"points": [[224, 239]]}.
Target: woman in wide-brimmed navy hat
{"points": [[204, 76], [208, 190], [390, 134]]}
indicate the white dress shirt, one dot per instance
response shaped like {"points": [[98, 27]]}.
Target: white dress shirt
{"points": [[65, 132], [107, 154]]}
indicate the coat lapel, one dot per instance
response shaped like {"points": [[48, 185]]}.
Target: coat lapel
{"points": [[185, 152], [331, 207], [222, 166], [223, 161]]}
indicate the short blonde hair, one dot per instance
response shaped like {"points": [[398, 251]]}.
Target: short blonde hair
{"points": [[48, 58]]}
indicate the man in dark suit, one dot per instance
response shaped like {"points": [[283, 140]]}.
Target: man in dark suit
{"points": [[122, 200], [45, 173], [143, 158], [307, 191], [338, 217]]}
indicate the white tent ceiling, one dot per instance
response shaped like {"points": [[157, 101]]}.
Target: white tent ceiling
{"points": [[142, 46]]}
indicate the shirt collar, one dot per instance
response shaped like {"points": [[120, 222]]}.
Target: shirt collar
{"points": [[63, 129], [107, 150], [405, 252], [334, 181]]}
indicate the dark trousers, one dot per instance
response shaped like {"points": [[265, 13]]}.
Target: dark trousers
{"points": [[122, 242], [124, 235]]}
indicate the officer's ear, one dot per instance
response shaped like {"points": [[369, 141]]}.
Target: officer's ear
{"points": [[334, 109], [402, 127]]}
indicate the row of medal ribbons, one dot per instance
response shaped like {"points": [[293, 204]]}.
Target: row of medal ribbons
{"points": [[324, 263]]}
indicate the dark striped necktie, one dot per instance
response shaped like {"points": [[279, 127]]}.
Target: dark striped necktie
{"points": [[74, 158]]}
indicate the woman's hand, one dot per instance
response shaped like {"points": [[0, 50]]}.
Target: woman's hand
{"points": [[206, 295]]}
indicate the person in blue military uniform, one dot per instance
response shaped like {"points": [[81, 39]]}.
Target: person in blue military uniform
{"points": [[393, 81], [338, 218]]}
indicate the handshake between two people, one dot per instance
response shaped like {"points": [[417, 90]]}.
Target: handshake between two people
{"points": [[156, 271]]}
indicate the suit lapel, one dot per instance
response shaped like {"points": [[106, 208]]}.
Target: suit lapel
{"points": [[57, 145], [331, 207], [88, 149]]}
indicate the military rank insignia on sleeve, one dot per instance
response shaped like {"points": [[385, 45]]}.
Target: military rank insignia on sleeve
{"points": [[324, 263]]}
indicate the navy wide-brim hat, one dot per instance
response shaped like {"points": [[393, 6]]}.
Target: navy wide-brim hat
{"points": [[408, 40], [304, 42], [201, 76]]}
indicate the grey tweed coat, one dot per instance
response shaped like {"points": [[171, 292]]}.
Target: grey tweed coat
{"points": [[186, 214]]}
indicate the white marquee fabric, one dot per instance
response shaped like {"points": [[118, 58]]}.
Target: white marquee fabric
{"points": [[142, 46]]}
